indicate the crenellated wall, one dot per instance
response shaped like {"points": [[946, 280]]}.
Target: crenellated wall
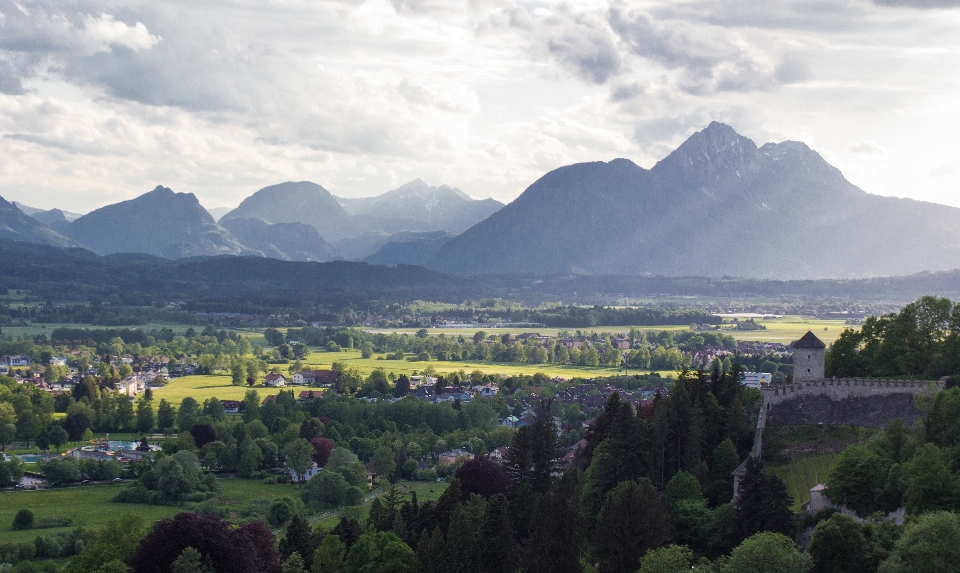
{"points": [[867, 402]]}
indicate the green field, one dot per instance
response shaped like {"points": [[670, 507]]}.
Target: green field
{"points": [[785, 329], [352, 358], [804, 472], [90, 506], [429, 491], [201, 388]]}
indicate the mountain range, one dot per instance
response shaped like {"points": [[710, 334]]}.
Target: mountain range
{"points": [[288, 221], [716, 206]]}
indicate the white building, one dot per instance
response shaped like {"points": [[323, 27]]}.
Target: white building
{"points": [[756, 379], [275, 380]]}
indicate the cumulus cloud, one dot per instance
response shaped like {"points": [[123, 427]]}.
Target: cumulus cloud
{"points": [[106, 31], [10, 81], [944, 170], [708, 59]]}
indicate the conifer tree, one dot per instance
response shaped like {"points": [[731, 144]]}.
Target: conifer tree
{"points": [[764, 503], [556, 533]]}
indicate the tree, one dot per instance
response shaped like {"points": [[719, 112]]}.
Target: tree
{"points": [[329, 557], [187, 414], [248, 548], [381, 552], [203, 434], [57, 436], [166, 416], [250, 458], [384, 462], [930, 544], [839, 546], [556, 533], [402, 386], [190, 561], [76, 424], [7, 434], [297, 539], [857, 479], [322, 448], [144, 422], [482, 476], [23, 520], [634, 519], [294, 564], [931, 485], [298, 455], [764, 503], [669, 559], [765, 552], [273, 336], [251, 406]]}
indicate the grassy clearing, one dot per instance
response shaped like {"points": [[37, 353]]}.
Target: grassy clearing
{"points": [[207, 386], [353, 359], [90, 506], [803, 472], [429, 491]]}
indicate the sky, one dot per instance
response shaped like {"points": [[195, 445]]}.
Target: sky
{"points": [[102, 101]]}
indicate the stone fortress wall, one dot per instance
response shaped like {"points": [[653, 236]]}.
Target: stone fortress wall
{"points": [[863, 402]]}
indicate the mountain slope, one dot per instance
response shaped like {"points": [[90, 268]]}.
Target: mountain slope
{"points": [[297, 202], [417, 206], [160, 223], [718, 205], [408, 248], [286, 241], [17, 225]]}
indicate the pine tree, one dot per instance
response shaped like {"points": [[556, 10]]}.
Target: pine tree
{"points": [[498, 553], [635, 518], [297, 539], [556, 533], [764, 503]]}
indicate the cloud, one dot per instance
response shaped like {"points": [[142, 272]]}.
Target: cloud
{"points": [[10, 81], [865, 147], [107, 31], [709, 59], [920, 4]]}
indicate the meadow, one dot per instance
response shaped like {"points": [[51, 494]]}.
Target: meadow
{"points": [[90, 505]]}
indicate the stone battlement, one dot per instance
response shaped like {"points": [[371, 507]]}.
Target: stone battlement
{"points": [[868, 402], [840, 388]]}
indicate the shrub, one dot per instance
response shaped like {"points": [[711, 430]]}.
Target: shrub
{"points": [[23, 520], [53, 521]]}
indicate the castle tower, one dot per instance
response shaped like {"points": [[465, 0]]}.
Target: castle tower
{"points": [[808, 356]]}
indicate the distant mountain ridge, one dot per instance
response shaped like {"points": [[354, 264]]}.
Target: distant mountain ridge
{"points": [[717, 206], [18, 226], [285, 241], [419, 207], [160, 223]]}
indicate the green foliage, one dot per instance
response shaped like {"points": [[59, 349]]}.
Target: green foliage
{"points": [[634, 519], [858, 479], [763, 504], [381, 553], [765, 552], [668, 559], [23, 520], [930, 544], [931, 486], [839, 546]]}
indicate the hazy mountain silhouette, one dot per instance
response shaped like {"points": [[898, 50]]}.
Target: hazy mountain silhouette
{"points": [[297, 202], [286, 241], [417, 206], [160, 223], [17, 225], [408, 248], [716, 206]]}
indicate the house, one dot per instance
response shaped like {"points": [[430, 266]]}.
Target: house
{"points": [[305, 378], [275, 380], [326, 378], [17, 360], [230, 406], [314, 470], [268, 399], [58, 361], [499, 454], [487, 391], [131, 386], [450, 457], [511, 422], [621, 343], [308, 395]]}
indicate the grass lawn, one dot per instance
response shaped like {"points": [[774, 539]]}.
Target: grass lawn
{"points": [[426, 491], [207, 386], [353, 359], [90, 506], [785, 330], [804, 472]]}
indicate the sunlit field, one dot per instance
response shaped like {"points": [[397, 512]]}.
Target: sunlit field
{"points": [[201, 388]]}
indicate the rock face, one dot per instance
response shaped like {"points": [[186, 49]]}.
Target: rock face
{"points": [[417, 206], [297, 202], [160, 223], [716, 206], [18, 226], [286, 241]]}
